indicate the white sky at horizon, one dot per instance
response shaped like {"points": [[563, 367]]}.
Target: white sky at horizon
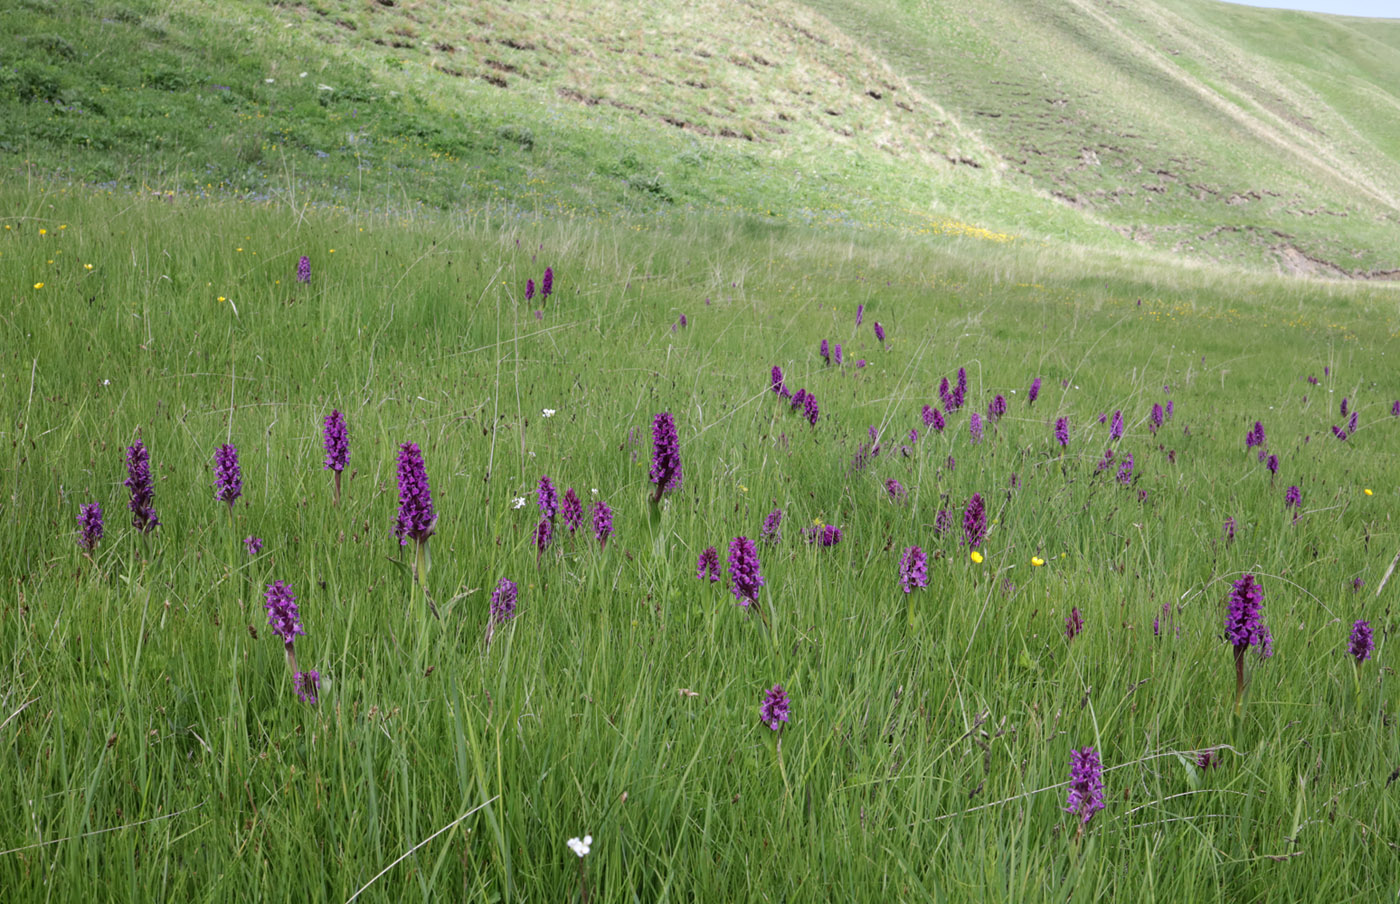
{"points": [[1381, 9]]}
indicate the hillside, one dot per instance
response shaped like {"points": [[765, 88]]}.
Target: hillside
{"points": [[1185, 128]]}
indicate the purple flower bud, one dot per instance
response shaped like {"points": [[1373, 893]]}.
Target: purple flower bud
{"points": [[860, 312], [282, 613], [307, 684], [1229, 531], [547, 284], [1351, 424], [1034, 392], [708, 566], [1244, 624], [913, 569], [879, 332], [503, 601], [997, 407], [138, 469], [913, 435], [743, 571], [573, 510], [776, 378], [228, 476], [1293, 498], [89, 525], [416, 519], [602, 522], [1106, 462], [1344, 406], [1074, 623], [665, 454], [1360, 645], [548, 498], [529, 289], [810, 409], [1272, 464], [1062, 432], [773, 711], [304, 270], [974, 521], [772, 527], [826, 352], [337, 442], [1125, 470], [1115, 430], [1395, 408], [896, 490], [1255, 436], [1170, 409], [254, 545], [974, 427], [944, 395], [1158, 416], [1085, 784], [544, 535], [942, 522], [836, 353]]}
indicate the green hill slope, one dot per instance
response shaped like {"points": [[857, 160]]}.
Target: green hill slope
{"points": [[1189, 128]]}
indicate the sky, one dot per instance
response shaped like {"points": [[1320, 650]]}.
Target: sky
{"points": [[1386, 9]]}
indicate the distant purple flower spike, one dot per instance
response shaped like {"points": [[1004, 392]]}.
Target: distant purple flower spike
{"points": [[1062, 432], [308, 686], [860, 313], [951, 464], [1125, 470], [744, 576], [772, 527], [547, 284], [1157, 418], [944, 395], [529, 289], [138, 469], [879, 332], [836, 354], [544, 535], [960, 390], [304, 270], [776, 379], [1171, 409], [1357, 583], [1115, 430], [1106, 462], [1229, 530], [1272, 464], [997, 407], [337, 442], [798, 398], [773, 711], [826, 351], [974, 427], [1085, 784], [503, 600], [282, 612], [1255, 436], [913, 569], [1360, 644], [708, 565], [1351, 424], [254, 545], [602, 523], [896, 490], [975, 521], [572, 510], [1293, 498], [665, 455], [89, 525], [1344, 406], [1395, 408], [913, 435], [1034, 392], [1244, 625], [1074, 624], [416, 519], [228, 476], [810, 409], [860, 364], [548, 498]]}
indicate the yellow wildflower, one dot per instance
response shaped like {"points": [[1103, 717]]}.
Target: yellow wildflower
{"points": [[1037, 561], [976, 557], [38, 285], [1367, 492]]}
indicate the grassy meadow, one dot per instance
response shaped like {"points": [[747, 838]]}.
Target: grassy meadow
{"points": [[154, 747]]}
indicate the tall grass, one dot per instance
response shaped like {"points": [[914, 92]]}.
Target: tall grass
{"points": [[154, 748]]}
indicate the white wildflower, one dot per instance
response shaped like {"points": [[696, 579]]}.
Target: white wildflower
{"points": [[581, 847]]}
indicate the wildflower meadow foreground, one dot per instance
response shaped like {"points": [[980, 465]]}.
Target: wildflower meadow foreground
{"points": [[359, 556]]}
